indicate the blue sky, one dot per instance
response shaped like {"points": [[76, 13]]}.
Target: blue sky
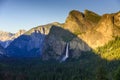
{"points": [[26, 14]]}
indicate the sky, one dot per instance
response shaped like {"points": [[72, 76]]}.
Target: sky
{"points": [[26, 14]]}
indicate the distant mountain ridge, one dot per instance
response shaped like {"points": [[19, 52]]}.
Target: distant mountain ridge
{"points": [[6, 37]]}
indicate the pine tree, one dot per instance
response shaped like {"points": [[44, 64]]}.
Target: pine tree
{"points": [[101, 74], [117, 74]]}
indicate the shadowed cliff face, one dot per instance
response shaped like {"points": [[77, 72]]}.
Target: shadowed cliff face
{"points": [[47, 41], [56, 40], [95, 30], [117, 19], [30, 43], [27, 45], [2, 51]]}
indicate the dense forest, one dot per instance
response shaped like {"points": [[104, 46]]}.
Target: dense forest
{"points": [[100, 64]]}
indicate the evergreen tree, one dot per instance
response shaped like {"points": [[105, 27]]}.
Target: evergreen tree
{"points": [[117, 74], [101, 74]]}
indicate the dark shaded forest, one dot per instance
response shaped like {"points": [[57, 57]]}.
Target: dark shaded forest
{"points": [[89, 66]]}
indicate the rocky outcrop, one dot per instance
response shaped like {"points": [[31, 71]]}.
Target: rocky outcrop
{"points": [[55, 43], [30, 43], [78, 47], [19, 33], [5, 35], [117, 19], [116, 22], [101, 33], [95, 30], [78, 22]]}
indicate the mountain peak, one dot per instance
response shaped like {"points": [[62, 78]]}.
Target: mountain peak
{"points": [[92, 16], [5, 35], [78, 23], [20, 32], [90, 12], [92, 28], [76, 13]]}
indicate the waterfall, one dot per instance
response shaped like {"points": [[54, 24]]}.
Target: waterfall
{"points": [[66, 52]]}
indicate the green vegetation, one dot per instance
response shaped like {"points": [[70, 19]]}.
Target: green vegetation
{"points": [[110, 51], [101, 74], [117, 74], [89, 66], [35, 69]]}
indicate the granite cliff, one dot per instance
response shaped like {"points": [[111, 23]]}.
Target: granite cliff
{"points": [[48, 41], [82, 31], [92, 28]]}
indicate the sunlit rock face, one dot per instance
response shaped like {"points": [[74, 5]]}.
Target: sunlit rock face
{"points": [[19, 33], [78, 22], [74, 22], [95, 30], [30, 44], [5, 35], [117, 19], [101, 33]]}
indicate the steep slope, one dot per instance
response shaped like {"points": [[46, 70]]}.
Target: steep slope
{"points": [[78, 22], [49, 41], [101, 33], [30, 43], [6, 37], [55, 43], [2, 51], [110, 51], [95, 30]]}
